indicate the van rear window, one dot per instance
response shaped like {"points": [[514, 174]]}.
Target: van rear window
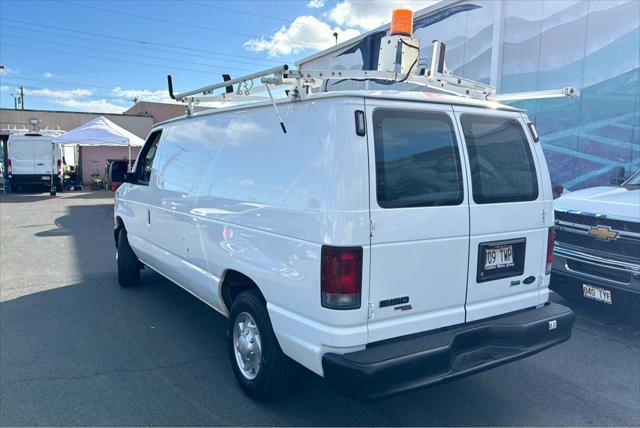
{"points": [[417, 159], [502, 167]]}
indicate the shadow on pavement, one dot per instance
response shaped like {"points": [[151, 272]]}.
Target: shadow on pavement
{"points": [[92, 353]]}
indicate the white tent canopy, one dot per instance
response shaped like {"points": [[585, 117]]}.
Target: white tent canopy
{"points": [[99, 132]]}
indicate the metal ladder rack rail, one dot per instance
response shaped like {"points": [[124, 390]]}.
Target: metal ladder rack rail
{"points": [[301, 82]]}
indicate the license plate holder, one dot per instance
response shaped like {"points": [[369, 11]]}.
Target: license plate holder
{"points": [[598, 294], [509, 259]]}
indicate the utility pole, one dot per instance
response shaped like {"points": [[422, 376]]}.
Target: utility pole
{"points": [[15, 101], [22, 97], [335, 35]]}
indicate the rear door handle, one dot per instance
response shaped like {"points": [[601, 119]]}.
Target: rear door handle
{"points": [[39, 164], [148, 217]]}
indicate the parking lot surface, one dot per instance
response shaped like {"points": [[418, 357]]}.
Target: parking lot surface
{"points": [[76, 349]]}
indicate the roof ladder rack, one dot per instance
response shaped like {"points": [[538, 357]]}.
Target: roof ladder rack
{"points": [[300, 83]]}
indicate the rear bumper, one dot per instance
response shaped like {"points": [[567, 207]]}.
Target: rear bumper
{"points": [[415, 361], [33, 179]]}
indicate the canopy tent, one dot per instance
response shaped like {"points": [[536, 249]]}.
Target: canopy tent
{"points": [[100, 132]]}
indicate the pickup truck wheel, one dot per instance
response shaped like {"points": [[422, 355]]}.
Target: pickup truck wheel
{"points": [[128, 264], [259, 365]]}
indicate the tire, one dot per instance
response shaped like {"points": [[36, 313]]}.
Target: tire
{"points": [[128, 263], [276, 373]]}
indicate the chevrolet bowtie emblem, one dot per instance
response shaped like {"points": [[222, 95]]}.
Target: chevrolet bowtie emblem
{"points": [[603, 232]]}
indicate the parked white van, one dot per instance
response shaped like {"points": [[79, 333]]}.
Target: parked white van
{"points": [[31, 159], [387, 241]]}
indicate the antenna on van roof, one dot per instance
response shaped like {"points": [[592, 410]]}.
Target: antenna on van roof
{"points": [[398, 62]]}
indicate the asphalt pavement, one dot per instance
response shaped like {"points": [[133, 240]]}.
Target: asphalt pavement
{"points": [[76, 349]]}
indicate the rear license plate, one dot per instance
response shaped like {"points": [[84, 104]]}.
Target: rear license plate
{"points": [[501, 259], [45, 177], [596, 293], [498, 257]]}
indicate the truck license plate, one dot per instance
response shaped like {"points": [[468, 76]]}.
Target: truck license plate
{"points": [[44, 177], [498, 257], [596, 293]]}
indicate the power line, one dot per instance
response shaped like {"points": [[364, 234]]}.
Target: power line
{"points": [[116, 60], [137, 41], [154, 18], [120, 53], [59, 82], [238, 11], [168, 21], [135, 46]]}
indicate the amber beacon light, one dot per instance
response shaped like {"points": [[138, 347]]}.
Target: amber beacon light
{"points": [[402, 23]]}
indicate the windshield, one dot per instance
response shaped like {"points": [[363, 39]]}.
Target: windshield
{"points": [[633, 181]]}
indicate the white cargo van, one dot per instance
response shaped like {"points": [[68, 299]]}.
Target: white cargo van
{"points": [[31, 159], [387, 241]]}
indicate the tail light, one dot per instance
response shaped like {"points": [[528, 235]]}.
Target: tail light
{"points": [[9, 168], [59, 167], [550, 239], [341, 277]]}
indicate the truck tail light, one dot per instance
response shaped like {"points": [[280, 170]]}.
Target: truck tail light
{"points": [[59, 167], [341, 277], [550, 239], [9, 168]]}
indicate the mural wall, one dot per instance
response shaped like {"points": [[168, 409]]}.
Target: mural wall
{"points": [[523, 45]]}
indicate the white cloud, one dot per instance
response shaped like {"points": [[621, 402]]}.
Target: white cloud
{"points": [[93, 105], [8, 70], [59, 93], [4, 88], [316, 4], [79, 99], [371, 14], [49, 75], [160, 96], [305, 32]]}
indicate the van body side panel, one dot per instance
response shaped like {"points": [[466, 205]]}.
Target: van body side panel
{"points": [[420, 244], [265, 202], [494, 225]]}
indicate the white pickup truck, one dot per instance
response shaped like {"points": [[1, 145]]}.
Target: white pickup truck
{"points": [[597, 249]]}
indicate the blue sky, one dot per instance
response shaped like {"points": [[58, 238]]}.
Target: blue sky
{"points": [[96, 55]]}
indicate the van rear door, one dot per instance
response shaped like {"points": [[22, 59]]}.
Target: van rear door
{"points": [[507, 251], [420, 219], [20, 152], [42, 156]]}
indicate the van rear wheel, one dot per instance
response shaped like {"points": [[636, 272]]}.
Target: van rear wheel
{"points": [[259, 365], [128, 263]]}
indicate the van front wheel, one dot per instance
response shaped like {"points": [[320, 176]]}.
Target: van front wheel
{"points": [[259, 365], [128, 264]]}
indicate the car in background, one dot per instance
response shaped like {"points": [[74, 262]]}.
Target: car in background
{"points": [[597, 244], [32, 159]]}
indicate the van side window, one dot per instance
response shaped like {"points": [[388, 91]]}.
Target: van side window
{"points": [[417, 159], [502, 167], [148, 154]]}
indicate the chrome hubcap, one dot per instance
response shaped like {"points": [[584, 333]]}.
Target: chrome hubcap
{"points": [[247, 345]]}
